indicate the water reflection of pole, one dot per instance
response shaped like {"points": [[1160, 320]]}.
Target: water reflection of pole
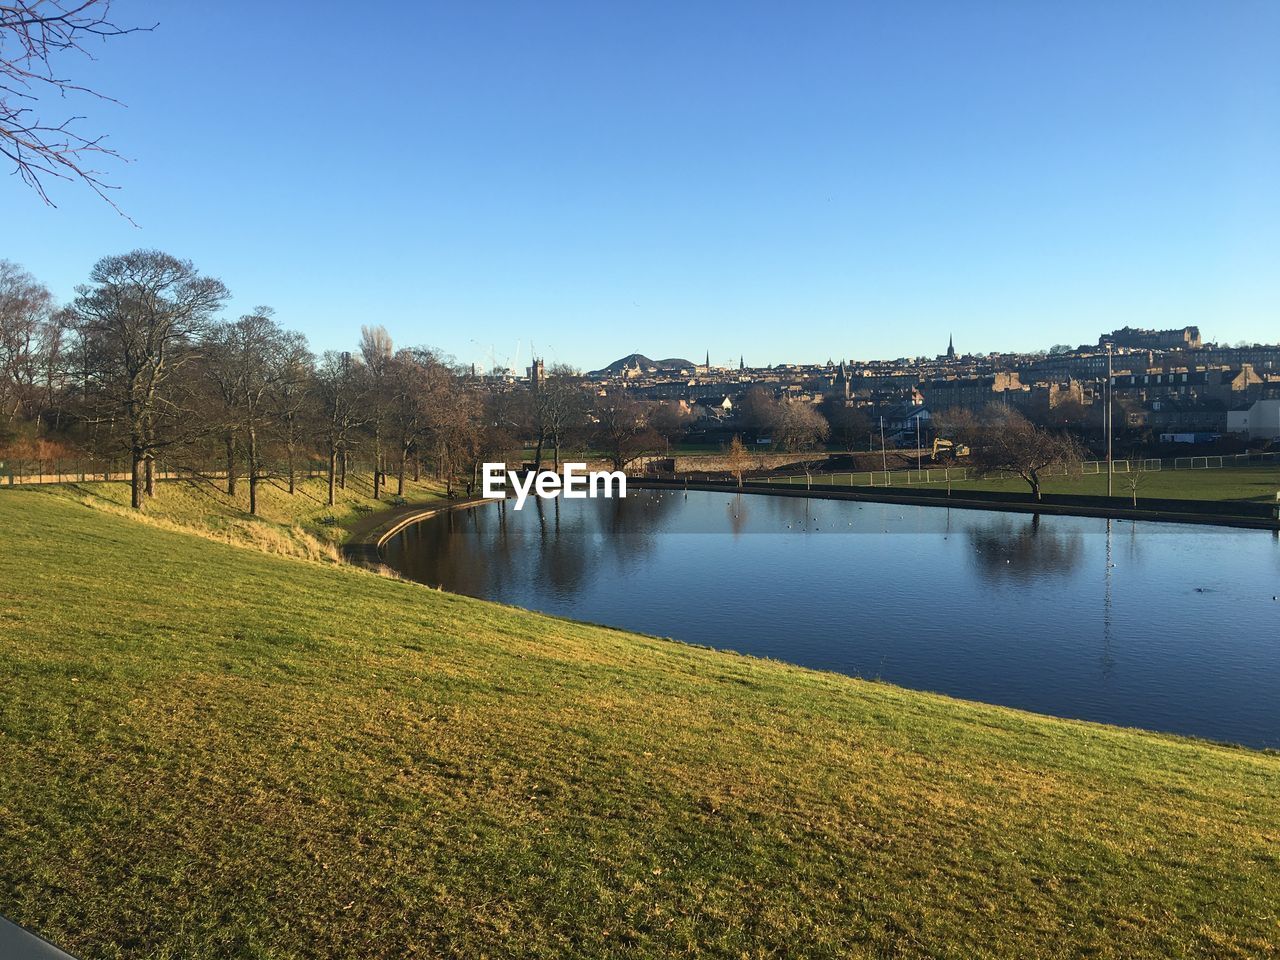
{"points": [[1107, 660]]}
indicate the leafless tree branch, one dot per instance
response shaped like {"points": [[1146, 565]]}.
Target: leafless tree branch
{"points": [[33, 36]]}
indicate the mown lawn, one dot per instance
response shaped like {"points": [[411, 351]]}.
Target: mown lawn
{"points": [[1228, 483], [1260, 483], [208, 751]]}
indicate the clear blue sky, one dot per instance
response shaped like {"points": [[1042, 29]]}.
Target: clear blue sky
{"points": [[788, 181]]}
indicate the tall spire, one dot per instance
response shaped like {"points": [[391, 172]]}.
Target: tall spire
{"points": [[708, 363], [951, 347]]}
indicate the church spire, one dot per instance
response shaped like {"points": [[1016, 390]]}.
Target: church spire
{"points": [[951, 347]]}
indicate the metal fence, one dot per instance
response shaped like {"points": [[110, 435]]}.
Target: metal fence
{"points": [[21, 472], [923, 475]]}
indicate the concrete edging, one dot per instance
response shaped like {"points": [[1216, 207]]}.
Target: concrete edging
{"points": [[365, 548], [825, 492]]}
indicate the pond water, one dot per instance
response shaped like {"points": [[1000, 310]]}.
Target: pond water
{"points": [[1166, 626]]}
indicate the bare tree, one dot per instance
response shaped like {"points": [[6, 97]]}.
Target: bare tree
{"points": [[455, 431], [1010, 442], [221, 370], [561, 405], [34, 34], [377, 350], [340, 383], [622, 431], [1134, 479], [292, 397], [416, 381], [758, 412], [27, 319], [798, 426], [849, 425], [142, 311], [671, 420], [254, 355], [738, 458]]}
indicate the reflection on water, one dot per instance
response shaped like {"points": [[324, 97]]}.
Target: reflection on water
{"points": [[1155, 625], [1021, 548]]}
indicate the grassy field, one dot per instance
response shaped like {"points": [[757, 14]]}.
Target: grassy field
{"points": [[213, 752], [1259, 483]]}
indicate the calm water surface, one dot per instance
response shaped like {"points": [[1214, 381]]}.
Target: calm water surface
{"points": [[1164, 626]]}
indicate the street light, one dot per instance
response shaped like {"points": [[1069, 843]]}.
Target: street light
{"points": [[1109, 392]]}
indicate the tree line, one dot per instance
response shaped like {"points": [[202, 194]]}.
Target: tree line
{"points": [[140, 368]]}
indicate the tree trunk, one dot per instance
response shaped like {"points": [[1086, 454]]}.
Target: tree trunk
{"points": [[136, 479], [404, 456], [231, 464], [417, 467], [377, 460], [149, 471], [292, 480], [253, 472], [342, 475], [555, 452], [537, 453], [333, 472]]}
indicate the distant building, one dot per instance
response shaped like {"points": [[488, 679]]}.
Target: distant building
{"points": [[1136, 339], [951, 348], [1260, 421], [714, 408], [536, 372], [973, 393]]}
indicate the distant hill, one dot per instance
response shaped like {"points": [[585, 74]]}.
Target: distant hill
{"points": [[639, 359]]}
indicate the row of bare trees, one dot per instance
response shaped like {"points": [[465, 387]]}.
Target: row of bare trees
{"points": [[140, 367]]}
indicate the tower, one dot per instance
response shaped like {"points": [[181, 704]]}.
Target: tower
{"points": [[741, 366], [951, 347], [708, 363]]}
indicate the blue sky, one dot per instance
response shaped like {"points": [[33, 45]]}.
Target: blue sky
{"points": [[787, 181]]}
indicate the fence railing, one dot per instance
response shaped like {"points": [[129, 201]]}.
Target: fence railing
{"points": [[21, 472], [931, 475]]}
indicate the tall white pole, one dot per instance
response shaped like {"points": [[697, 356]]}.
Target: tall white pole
{"points": [[1108, 405], [884, 457]]}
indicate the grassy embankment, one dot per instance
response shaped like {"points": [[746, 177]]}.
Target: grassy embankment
{"points": [[1259, 483], [301, 524], [215, 752]]}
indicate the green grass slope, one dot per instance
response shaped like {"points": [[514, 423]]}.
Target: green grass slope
{"points": [[212, 752]]}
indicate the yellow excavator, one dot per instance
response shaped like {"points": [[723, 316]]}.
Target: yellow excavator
{"points": [[949, 447]]}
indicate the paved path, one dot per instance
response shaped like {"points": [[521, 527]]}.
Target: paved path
{"points": [[19, 944]]}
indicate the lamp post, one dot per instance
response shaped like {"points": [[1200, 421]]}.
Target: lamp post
{"points": [[1108, 408]]}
